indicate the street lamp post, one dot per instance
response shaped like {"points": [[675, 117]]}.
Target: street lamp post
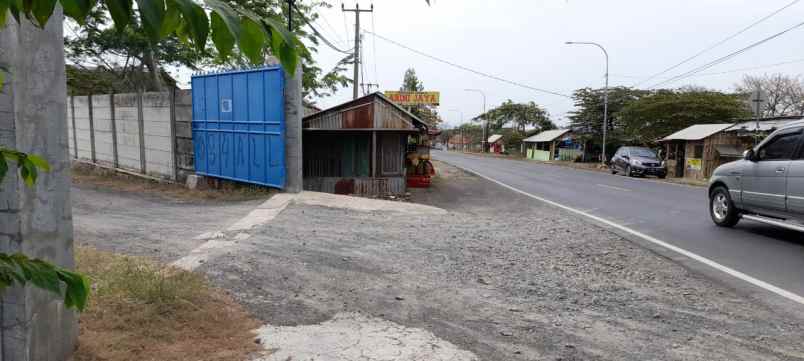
{"points": [[483, 141], [605, 92]]}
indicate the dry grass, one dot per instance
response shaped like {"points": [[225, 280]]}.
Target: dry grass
{"points": [[88, 175], [140, 310]]}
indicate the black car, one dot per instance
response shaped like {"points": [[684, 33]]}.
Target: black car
{"points": [[633, 161]]}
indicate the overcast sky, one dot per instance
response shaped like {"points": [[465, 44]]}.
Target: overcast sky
{"points": [[523, 41]]}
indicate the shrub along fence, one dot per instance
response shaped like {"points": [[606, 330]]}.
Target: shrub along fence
{"points": [[147, 133]]}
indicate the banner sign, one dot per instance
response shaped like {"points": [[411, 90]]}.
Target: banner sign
{"points": [[693, 163], [413, 98]]}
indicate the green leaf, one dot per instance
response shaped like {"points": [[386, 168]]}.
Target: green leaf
{"points": [[39, 162], [77, 9], [152, 14], [197, 23], [227, 14], [4, 5], [3, 168], [221, 36], [41, 10], [77, 289], [252, 38], [290, 59], [172, 19], [28, 173], [121, 12]]}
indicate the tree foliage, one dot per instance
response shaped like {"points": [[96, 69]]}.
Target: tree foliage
{"points": [[519, 115], [587, 119], [785, 93], [411, 83], [663, 112]]}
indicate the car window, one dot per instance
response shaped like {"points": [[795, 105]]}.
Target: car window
{"points": [[643, 152], [780, 148]]}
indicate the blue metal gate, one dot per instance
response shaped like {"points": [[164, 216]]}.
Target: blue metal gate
{"points": [[239, 125]]}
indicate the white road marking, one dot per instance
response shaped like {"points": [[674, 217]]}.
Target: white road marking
{"points": [[613, 187], [732, 272]]}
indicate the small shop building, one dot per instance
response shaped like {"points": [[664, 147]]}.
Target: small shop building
{"points": [[555, 144], [694, 152], [360, 147], [496, 143]]}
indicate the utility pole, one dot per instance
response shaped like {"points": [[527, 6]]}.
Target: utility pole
{"points": [[367, 87], [357, 12], [290, 15]]}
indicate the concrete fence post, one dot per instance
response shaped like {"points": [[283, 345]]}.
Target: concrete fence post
{"points": [[75, 134], [294, 112], [91, 131], [173, 155], [141, 132], [115, 156], [37, 221]]}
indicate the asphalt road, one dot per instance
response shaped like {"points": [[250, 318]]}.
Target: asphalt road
{"points": [[672, 213]]}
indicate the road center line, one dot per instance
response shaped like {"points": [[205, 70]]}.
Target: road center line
{"points": [[732, 272], [613, 187]]}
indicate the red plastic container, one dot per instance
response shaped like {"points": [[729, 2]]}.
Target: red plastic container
{"points": [[419, 181]]}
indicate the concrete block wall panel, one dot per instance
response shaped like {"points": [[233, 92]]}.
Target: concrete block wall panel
{"points": [[185, 157], [102, 121], [128, 136], [81, 104]]}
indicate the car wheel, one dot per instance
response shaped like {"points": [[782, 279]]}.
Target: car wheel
{"points": [[662, 176], [722, 209], [613, 169], [628, 171]]}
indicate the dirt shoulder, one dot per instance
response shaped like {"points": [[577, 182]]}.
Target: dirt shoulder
{"points": [[503, 277]]}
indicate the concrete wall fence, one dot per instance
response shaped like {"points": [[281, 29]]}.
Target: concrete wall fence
{"points": [[147, 133]]}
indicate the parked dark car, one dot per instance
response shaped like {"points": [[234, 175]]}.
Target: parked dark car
{"points": [[637, 161]]}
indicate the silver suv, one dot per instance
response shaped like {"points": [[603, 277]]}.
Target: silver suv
{"points": [[767, 185]]}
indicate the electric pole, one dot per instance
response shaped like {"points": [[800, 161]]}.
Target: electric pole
{"points": [[357, 12]]}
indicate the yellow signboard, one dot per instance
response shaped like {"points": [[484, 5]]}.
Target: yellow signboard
{"points": [[693, 163], [413, 98]]}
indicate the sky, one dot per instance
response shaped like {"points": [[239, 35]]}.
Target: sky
{"points": [[524, 41]]}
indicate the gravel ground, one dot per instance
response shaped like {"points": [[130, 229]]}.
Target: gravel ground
{"points": [[504, 277], [147, 224]]}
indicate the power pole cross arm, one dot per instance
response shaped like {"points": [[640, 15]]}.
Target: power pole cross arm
{"points": [[357, 11]]}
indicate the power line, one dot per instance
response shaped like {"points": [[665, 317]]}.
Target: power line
{"points": [[727, 57], [721, 72], [318, 33], [337, 34], [374, 50], [718, 43], [477, 72]]}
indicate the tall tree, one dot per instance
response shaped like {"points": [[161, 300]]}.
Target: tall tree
{"points": [[520, 115], [785, 93], [664, 112], [588, 116], [411, 83]]}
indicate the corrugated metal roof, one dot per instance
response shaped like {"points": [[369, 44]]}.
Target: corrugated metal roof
{"points": [[764, 125], [494, 138], [547, 136], [698, 131]]}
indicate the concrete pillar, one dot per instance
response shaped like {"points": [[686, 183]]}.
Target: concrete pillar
{"points": [[294, 112], [37, 221]]}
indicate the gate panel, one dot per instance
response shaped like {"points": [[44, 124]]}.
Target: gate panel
{"points": [[239, 125]]}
